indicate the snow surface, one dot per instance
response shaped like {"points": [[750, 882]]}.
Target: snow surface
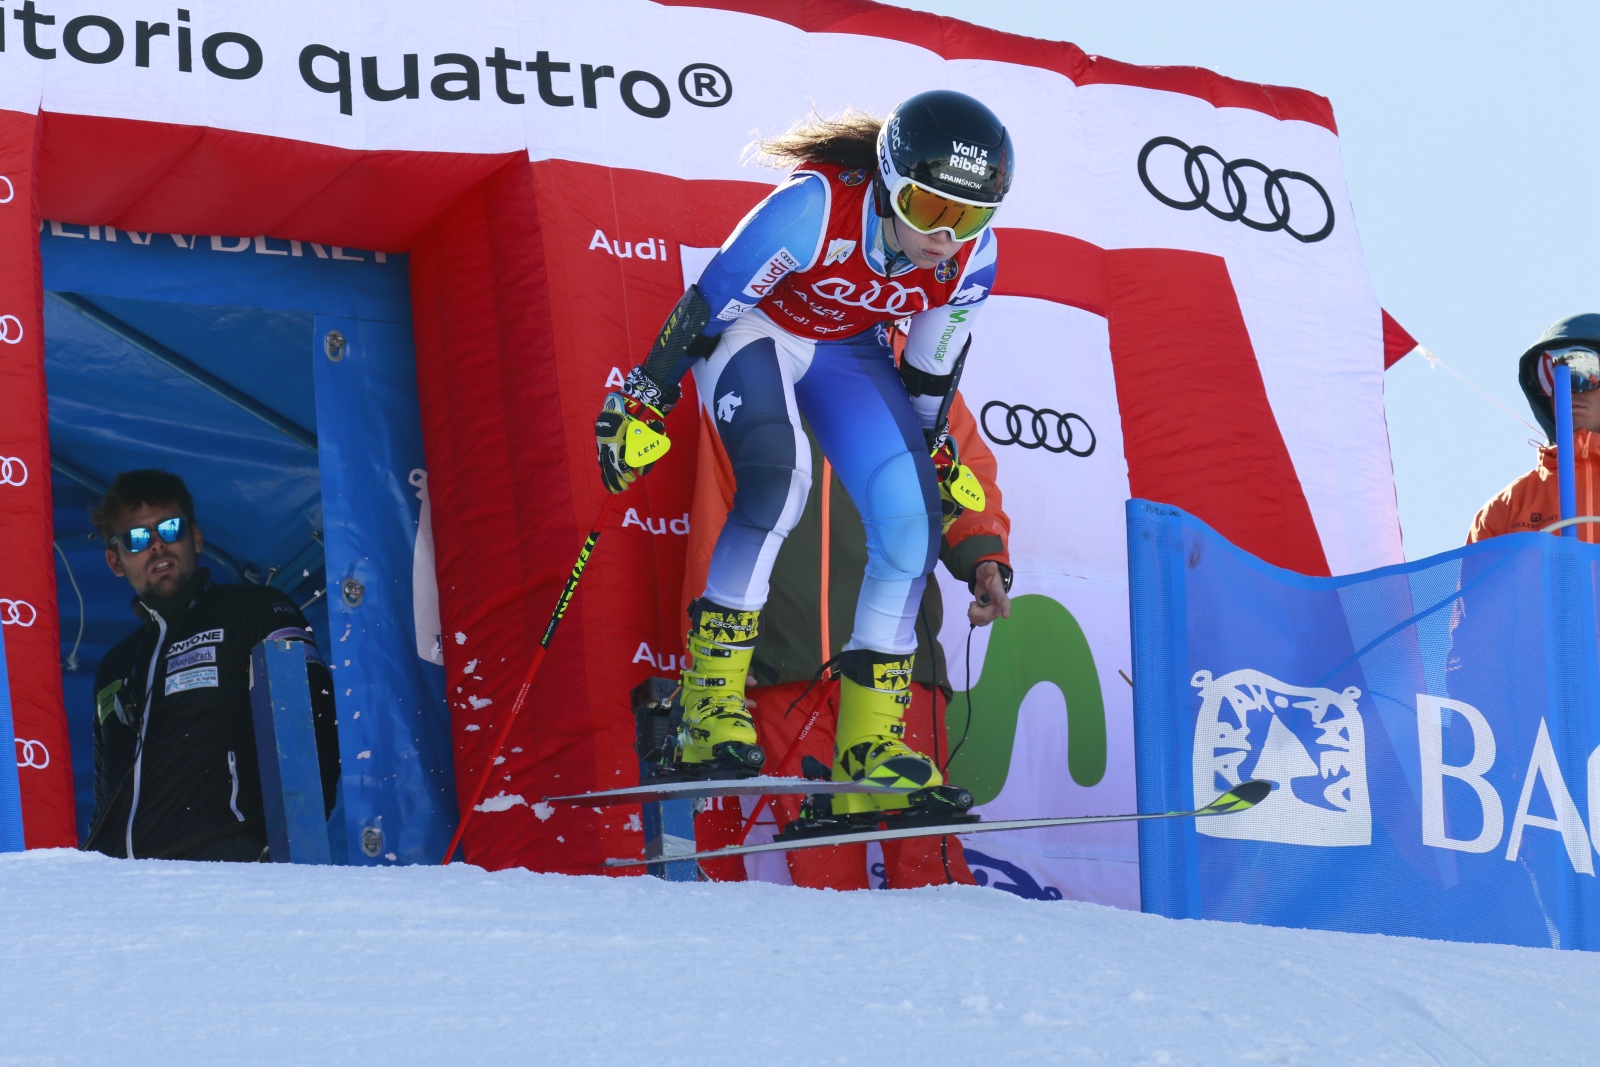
{"points": [[148, 962]]}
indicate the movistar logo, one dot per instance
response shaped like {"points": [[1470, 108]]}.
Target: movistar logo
{"points": [[957, 320], [1041, 642]]}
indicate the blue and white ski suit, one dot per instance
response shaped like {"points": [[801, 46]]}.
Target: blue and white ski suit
{"points": [[762, 378]]}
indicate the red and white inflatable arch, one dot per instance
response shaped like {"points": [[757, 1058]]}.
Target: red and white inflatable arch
{"points": [[556, 172]]}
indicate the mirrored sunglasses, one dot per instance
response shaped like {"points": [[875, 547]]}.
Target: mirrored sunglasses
{"points": [[138, 538]]}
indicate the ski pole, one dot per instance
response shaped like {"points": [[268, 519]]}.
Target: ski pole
{"points": [[765, 801], [562, 602], [942, 422]]}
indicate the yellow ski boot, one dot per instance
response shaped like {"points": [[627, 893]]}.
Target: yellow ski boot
{"points": [[874, 693], [717, 737]]}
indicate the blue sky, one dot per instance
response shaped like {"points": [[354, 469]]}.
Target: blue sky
{"points": [[1469, 134]]}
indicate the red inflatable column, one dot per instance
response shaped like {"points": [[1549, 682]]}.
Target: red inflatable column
{"points": [[1198, 428], [27, 566]]}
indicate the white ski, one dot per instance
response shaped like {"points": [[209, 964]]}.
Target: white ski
{"points": [[1245, 795], [649, 792]]}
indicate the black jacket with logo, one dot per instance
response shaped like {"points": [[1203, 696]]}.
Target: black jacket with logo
{"points": [[183, 680]]}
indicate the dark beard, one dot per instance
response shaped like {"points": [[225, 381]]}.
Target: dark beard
{"points": [[169, 606]]}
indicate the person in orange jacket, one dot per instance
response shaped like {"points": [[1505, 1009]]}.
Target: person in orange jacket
{"points": [[815, 581], [1533, 501]]}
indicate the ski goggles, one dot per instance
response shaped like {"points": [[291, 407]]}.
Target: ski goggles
{"points": [[138, 538], [929, 212], [1581, 360]]}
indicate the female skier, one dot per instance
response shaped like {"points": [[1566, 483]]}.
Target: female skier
{"points": [[878, 222]]}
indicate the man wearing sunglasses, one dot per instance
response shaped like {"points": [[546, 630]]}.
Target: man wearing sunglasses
{"points": [[176, 775], [879, 221], [1533, 501]]}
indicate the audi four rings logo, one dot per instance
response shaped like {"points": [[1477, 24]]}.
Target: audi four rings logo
{"points": [[13, 471], [1035, 428], [1275, 185], [876, 297], [30, 753], [17, 613], [10, 329]]}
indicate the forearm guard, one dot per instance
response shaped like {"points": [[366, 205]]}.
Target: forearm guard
{"points": [[680, 337], [920, 383], [931, 387]]}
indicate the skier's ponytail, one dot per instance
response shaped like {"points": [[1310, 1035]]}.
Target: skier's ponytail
{"points": [[848, 139]]}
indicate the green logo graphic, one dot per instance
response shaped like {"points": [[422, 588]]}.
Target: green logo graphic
{"points": [[1041, 642]]}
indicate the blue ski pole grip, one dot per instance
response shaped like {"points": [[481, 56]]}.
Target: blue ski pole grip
{"points": [[10, 789], [1566, 472]]}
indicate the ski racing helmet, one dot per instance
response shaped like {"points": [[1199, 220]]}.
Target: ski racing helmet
{"points": [[1535, 373], [944, 163]]}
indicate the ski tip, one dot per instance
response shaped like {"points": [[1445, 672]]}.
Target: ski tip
{"points": [[1253, 792], [1242, 796]]}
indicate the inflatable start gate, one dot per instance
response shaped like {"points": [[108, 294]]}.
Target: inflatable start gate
{"points": [[1182, 314]]}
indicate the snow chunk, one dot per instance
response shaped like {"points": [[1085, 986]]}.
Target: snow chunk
{"points": [[479, 703], [472, 665], [543, 811], [471, 728], [461, 638], [505, 802], [499, 760], [365, 753]]}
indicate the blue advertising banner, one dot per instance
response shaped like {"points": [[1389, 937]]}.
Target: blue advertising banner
{"points": [[10, 790], [1431, 730]]}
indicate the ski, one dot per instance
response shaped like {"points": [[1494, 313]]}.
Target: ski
{"points": [[693, 789], [1243, 796]]}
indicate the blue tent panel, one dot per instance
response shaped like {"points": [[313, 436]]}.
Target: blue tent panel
{"points": [[188, 355]]}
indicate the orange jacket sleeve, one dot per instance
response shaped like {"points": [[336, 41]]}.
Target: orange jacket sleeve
{"points": [[977, 535]]}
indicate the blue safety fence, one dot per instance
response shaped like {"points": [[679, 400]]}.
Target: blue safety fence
{"points": [[10, 789], [1431, 729], [208, 356]]}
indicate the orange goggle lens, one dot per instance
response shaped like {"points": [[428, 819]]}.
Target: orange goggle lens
{"points": [[926, 211]]}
